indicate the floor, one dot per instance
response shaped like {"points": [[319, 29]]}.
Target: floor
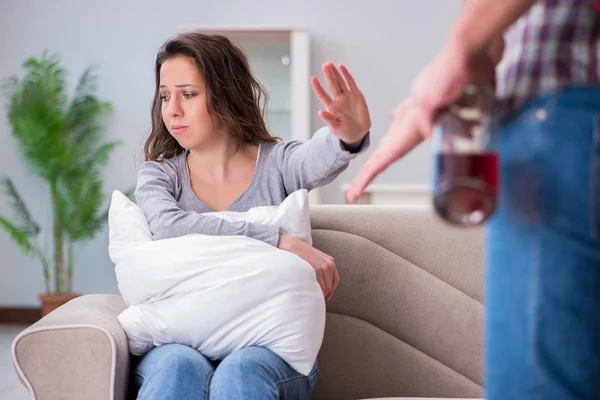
{"points": [[10, 386]]}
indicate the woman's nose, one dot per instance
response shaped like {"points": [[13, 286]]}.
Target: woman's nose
{"points": [[174, 108]]}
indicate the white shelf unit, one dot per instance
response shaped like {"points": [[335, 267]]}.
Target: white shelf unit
{"points": [[389, 194]]}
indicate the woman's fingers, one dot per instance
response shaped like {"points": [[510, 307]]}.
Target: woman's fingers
{"points": [[330, 77], [328, 118], [349, 79], [321, 280], [338, 79], [336, 281], [320, 92], [328, 279]]}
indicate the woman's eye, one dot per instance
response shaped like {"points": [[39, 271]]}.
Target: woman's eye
{"points": [[189, 95], [164, 97]]}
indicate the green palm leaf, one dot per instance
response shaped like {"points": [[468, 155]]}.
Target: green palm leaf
{"points": [[28, 226], [18, 236]]}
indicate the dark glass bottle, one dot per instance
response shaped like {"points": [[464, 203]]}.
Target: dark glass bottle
{"points": [[466, 173]]}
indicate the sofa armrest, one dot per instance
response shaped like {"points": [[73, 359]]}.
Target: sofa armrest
{"points": [[78, 351]]}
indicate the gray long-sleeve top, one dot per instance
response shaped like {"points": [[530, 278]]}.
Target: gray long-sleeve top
{"points": [[166, 198]]}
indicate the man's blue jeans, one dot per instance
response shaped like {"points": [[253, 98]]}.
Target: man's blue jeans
{"points": [[178, 372], [543, 252]]}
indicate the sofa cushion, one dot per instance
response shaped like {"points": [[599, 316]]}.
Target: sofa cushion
{"points": [[407, 317]]}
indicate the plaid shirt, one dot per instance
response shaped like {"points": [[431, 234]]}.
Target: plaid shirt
{"points": [[554, 45]]}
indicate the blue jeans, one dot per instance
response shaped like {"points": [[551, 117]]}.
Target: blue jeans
{"points": [[543, 253], [178, 372]]}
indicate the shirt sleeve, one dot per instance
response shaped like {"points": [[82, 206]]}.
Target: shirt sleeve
{"points": [[315, 162]]}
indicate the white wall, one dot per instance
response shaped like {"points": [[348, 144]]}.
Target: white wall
{"points": [[383, 43]]}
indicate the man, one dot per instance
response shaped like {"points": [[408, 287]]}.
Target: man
{"points": [[543, 245]]}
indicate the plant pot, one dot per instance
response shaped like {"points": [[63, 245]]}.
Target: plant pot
{"points": [[51, 302]]}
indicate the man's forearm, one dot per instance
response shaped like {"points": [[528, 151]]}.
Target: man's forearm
{"points": [[481, 22]]}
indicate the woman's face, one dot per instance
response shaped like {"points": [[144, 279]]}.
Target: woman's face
{"points": [[182, 91]]}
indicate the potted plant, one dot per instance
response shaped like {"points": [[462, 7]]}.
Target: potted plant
{"points": [[61, 141]]}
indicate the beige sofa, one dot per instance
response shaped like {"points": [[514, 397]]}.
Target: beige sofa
{"points": [[406, 320]]}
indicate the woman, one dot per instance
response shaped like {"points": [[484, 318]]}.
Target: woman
{"points": [[209, 150]]}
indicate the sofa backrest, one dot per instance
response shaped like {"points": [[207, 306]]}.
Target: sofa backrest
{"points": [[406, 319]]}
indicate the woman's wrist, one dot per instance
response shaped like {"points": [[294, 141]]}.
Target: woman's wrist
{"points": [[354, 146]]}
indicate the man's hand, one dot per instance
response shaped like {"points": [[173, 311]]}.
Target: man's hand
{"points": [[445, 78], [407, 130]]}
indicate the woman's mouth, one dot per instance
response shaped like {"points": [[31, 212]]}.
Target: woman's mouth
{"points": [[178, 129]]}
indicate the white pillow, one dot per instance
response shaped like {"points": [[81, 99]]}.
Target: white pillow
{"points": [[218, 293], [127, 223]]}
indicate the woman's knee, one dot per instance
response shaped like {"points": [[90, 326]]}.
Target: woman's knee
{"points": [[263, 373], [175, 360], [243, 373], [249, 361], [172, 371]]}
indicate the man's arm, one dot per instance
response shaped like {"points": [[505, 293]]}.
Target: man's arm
{"points": [[477, 31], [481, 23]]}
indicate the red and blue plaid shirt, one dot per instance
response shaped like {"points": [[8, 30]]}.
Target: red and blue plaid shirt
{"points": [[556, 44]]}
